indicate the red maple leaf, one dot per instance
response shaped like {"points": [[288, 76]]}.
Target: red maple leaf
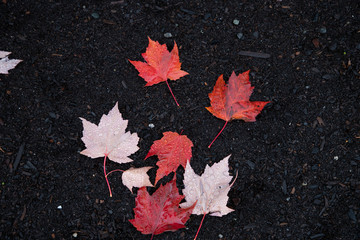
{"points": [[172, 150], [160, 212], [231, 101], [160, 65]]}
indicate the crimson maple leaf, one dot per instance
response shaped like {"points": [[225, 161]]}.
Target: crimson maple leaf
{"points": [[172, 150], [160, 65], [160, 212], [231, 101]]}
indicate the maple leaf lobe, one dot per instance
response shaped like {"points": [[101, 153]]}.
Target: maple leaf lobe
{"points": [[7, 64]]}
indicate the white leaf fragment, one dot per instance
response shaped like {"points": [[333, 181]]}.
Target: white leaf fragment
{"points": [[209, 190], [109, 138], [136, 177], [7, 64]]}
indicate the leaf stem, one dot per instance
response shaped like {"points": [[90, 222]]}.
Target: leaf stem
{"points": [[202, 220], [218, 134], [107, 181], [172, 93], [116, 170]]}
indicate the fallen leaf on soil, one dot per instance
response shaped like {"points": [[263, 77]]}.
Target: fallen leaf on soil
{"points": [[232, 101], [160, 64], [109, 138], [172, 150], [160, 212], [136, 177], [6, 64], [209, 190]]}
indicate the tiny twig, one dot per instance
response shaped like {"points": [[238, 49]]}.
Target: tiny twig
{"points": [[18, 156], [172, 93], [218, 134]]}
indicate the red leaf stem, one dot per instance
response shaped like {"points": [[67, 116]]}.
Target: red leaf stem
{"points": [[218, 134], [172, 93]]}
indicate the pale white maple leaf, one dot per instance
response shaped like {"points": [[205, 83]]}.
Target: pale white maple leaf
{"points": [[109, 138], [210, 190], [7, 64], [136, 177]]}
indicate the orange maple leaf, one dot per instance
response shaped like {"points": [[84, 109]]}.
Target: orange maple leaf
{"points": [[231, 101], [160, 64], [172, 150]]}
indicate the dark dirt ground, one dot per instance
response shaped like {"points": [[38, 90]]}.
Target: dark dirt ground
{"points": [[299, 163]]}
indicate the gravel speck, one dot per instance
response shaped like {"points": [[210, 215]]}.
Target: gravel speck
{"points": [[236, 22], [95, 15], [168, 35], [240, 35]]}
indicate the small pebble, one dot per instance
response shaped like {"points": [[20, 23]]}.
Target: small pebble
{"points": [[74, 235], [322, 30], [308, 52], [207, 16], [336, 158], [95, 15], [240, 35], [256, 34], [319, 235], [283, 187], [333, 47], [168, 35], [315, 70], [221, 236], [327, 76], [315, 167], [315, 150], [151, 125], [351, 215], [236, 22], [59, 207], [316, 17], [52, 115], [250, 164]]}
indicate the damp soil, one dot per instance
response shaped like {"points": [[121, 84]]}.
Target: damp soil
{"points": [[298, 164]]}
